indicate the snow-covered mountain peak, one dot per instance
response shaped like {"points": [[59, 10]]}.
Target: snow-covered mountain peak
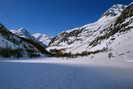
{"points": [[100, 36], [12, 45], [115, 10], [111, 13], [45, 39], [130, 4], [22, 32]]}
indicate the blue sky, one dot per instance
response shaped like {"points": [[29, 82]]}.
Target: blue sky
{"points": [[52, 16]]}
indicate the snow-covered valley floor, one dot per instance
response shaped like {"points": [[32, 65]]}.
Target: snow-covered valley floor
{"points": [[53, 73]]}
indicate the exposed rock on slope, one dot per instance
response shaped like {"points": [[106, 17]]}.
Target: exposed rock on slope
{"points": [[111, 31], [22, 32], [41, 38], [115, 10], [12, 45]]}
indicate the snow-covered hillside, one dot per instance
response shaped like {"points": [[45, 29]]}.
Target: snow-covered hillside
{"points": [[22, 32], [45, 39], [111, 34], [12, 45]]}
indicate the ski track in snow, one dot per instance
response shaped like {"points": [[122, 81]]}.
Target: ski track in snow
{"points": [[46, 73]]}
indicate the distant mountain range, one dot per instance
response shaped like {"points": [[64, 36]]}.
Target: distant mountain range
{"points": [[110, 35], [43, 38]]}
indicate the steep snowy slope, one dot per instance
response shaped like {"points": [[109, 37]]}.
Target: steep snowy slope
{"points": [[22, 32], [45, 39], [119, 38], [12, 45], [110, 32], [115, 10]]}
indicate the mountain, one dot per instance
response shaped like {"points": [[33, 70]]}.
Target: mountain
{"points": [[110, 35], [12, 45], [22, 32], [41, 38], [45, 39], [115, 10]]}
